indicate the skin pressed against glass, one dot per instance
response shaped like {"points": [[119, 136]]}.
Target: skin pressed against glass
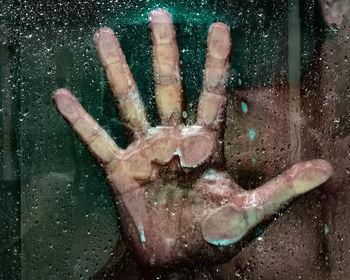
{"points": [[205, 139], [169, 209]]}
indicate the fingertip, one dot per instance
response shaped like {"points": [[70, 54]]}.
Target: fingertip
{"points": [[162, 28], [219, 41], [159, 15], [65, 101], [60, 93], [325, 165], [106, 44], [220, 26], [100, 33], [311, 174], [319, 164]]}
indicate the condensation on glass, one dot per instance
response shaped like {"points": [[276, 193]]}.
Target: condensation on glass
{"points": [[58, 220]]}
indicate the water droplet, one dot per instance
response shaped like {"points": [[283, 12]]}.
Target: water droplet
{"points": [[251, 134], [244, 107]]}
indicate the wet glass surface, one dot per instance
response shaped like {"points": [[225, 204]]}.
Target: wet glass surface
{"points": [[58, 220]]}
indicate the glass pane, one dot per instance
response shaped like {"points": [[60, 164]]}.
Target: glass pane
{"points": [[288, 101]]}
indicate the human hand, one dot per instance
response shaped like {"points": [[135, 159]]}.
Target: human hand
{"points": [[175, 200]]}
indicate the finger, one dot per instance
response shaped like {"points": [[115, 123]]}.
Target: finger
{"points": [[166, 68], [212, 100], [299, 179], [100, 144], [228, 224], [120, 80]]}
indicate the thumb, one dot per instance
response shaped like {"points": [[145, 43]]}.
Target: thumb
{"points": [[229, 223]]}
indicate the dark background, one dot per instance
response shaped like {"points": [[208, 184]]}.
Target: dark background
{"points": [[57, 217]]}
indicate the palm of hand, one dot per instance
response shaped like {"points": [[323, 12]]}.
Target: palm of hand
{"points": [[175, 201]]}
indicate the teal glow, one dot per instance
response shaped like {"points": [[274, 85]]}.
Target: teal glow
{"points": [[244, 107], [251, 134], [181, 11], [326, 229], [142, 234], [222, 242], [253, 160], [259, 231]]}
